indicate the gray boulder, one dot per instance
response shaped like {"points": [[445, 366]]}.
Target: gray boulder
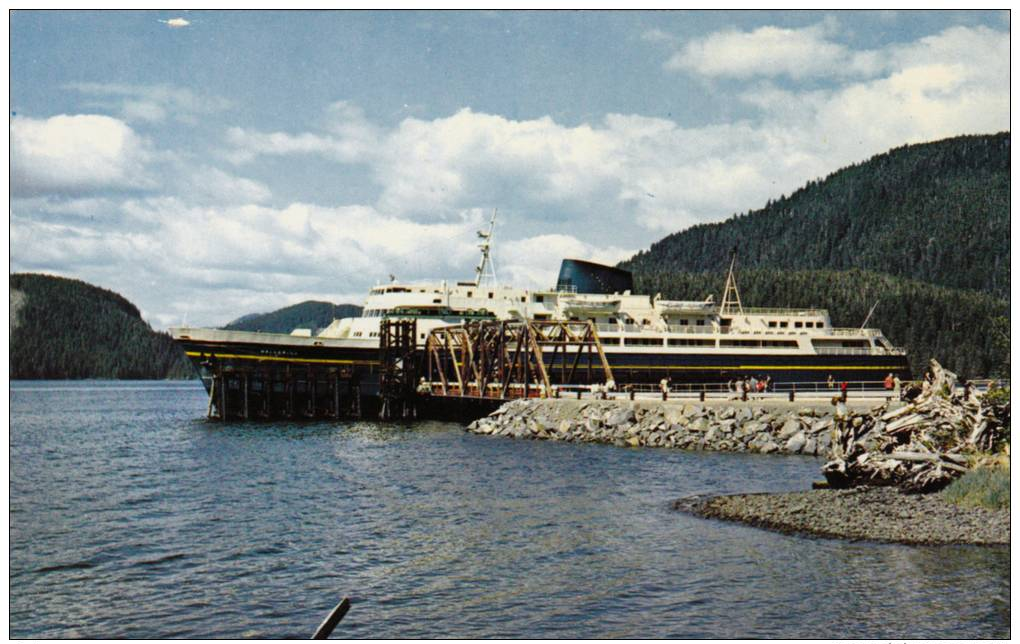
{"points": [[796, 443], [790, 428]]}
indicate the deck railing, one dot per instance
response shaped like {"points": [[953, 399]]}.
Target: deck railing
{"points": [[752, 310], [869, 333], [860, 351]]}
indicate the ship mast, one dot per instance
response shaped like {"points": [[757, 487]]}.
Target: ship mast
{"points": [[486, 270], [731, 287]]}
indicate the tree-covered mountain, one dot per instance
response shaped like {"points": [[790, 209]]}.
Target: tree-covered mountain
{"points": [[305, 315], [936, 212], [922, 229], [959, 327], [64, 328]]}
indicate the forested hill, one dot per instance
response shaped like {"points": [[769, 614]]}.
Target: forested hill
{"points": [[936, 212], [64, 328], [305, 315]]}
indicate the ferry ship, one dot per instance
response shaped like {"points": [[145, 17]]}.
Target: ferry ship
{"points": [[645, 338]]}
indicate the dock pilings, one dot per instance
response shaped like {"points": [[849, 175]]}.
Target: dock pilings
{"points": [[243, 393]]}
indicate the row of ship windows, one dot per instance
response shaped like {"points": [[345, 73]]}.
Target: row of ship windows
{"points": [[782, 324], [697, 342]]}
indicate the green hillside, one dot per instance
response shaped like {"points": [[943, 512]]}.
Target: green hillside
{"points": [[305, 315], [936, 212], [961, 328], [64, 329]]}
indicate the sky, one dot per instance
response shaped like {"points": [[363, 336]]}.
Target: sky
{"points": [[208, 165]]}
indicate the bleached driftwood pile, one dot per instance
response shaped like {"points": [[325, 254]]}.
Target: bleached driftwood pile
{"points": [[920, 447]]}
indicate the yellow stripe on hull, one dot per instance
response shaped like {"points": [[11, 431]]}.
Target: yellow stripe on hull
{"points": [[755, 366], [197, 354]]}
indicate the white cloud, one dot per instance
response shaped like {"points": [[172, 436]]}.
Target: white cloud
{"points": [[84, 207], [348, 137], [535, 261], [813, 52], [657, 35], [209, 185], [216, 263], [955, 82], [215, 245], [152, 103], [246, 145], [176, 23], [76, 154], [85, 158], [773, 51], [652, 172]]}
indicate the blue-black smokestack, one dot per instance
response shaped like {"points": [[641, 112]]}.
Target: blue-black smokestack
{"points": [[588, 277]]}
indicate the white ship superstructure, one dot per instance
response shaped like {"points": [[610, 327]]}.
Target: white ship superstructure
{"points": [[644, 337], [626, 322]]}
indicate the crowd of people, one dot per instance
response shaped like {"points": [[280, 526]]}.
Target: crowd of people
{"points": [[750, 385]]}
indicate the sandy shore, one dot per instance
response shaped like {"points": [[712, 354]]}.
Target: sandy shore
{"points": [[874, 514]]}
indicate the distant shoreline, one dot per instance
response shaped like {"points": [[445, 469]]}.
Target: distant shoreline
{"points": [[881, 514]]}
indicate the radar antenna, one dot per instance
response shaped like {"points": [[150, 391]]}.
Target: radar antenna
{"points": [[485, 272], [731, 287]]}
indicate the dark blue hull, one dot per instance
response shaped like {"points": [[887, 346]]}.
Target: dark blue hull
{"points": [[362, 364]]}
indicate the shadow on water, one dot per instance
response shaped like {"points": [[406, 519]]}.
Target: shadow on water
{"points": [[133, 516]]}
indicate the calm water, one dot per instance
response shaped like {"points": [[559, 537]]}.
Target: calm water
{"points": [[131, 516]]}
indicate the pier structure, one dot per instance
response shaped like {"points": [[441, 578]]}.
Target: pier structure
{"points": [[460, 371], [510, 359], [239, 392], [399, 361]]}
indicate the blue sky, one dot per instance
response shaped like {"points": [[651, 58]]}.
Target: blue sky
{"points": [[248, 160]]}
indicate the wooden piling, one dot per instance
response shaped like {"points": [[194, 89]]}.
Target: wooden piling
{"points": [[223, 397], [290, 395], [334, 617], [267, 395], [244, 383], [311, 395], [336, 395], [212, 398]]}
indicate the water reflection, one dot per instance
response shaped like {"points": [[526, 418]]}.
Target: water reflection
{"points": [[132, 517]]}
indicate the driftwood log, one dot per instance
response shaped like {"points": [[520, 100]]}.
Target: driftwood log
{"points": [[920, 447]]}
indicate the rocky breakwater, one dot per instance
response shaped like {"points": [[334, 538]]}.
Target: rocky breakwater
{"points": [[736, 427]]}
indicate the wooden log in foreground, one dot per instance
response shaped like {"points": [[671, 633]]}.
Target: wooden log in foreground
{"points": [[328, 624], [920, 447]]}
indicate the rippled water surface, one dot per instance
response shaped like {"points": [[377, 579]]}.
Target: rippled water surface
{"points": [[131, 516]]}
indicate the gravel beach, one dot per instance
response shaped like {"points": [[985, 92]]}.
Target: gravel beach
{"points": [[869, 513]]}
